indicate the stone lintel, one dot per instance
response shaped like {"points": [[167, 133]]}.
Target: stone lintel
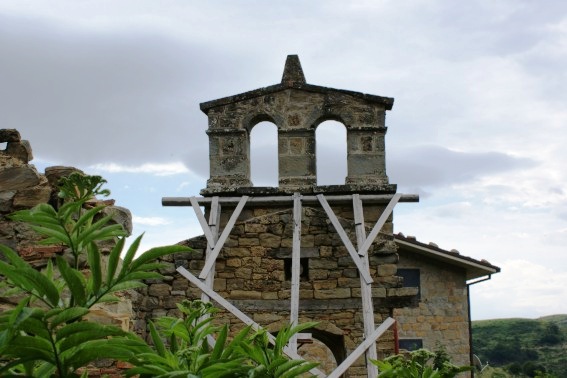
{"points": [[290, 188]]}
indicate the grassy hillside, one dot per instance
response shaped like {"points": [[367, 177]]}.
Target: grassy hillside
{"points": [[523, 345]]}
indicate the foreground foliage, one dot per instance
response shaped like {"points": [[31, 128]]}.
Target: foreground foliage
{"points": [[48, 333], [191, 350], [419, 364], [524, 347]]}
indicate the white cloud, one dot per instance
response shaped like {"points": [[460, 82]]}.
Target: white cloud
{"points": [[523, 288], [156, 169], [150, 221]]}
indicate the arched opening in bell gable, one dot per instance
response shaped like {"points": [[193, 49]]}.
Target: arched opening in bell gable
{"points": [[331, 150], [264, 154]]}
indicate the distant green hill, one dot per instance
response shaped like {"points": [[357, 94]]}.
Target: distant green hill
{"points": [[523, 345]]}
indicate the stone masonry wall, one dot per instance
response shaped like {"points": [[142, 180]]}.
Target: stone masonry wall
{"points": [[441, 317], [252, 272]]}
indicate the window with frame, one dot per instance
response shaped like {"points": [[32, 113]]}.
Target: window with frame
{"points": [[410, 344], [411, 277]]}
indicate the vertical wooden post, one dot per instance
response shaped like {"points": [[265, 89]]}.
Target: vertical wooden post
{"points": [[365, 288], [295, 268], [214, 220]]}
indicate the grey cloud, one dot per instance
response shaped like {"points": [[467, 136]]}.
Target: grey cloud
{"points": [[84, 97], [432, 166]]}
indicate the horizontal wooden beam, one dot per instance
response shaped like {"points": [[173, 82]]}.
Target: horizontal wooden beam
{"points": [[305, 199]]}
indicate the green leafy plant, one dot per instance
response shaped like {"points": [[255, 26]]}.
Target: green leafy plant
{"points": [[47, 333], [419, 364], [197, 348]]}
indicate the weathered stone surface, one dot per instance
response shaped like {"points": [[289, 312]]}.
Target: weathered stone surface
{"points": [[55, 173], [18, 177], [30, 197], [6, 198], [9, 135], [20, 150]]}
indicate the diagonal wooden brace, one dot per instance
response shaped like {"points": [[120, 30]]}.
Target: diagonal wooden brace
{"points": [[220, 242], [346, 241]]}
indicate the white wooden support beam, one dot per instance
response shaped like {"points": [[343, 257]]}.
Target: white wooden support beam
{"points": [[379, 224], [220, 242], [239, 314], [361, 348], [202, 220], [365, 289], [295, 267], [213, 226], [344, 237]]}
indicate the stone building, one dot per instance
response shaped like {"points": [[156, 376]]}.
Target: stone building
{"points": [[442, 317], [287, 253]]}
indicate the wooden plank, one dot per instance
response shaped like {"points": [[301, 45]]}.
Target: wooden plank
{"points": [[365, 289], [361, 348], [214, 224], [219, 244], [344, 237], [306, 200], [379, 224], [202, 220], [295, 268], [239, 314]]}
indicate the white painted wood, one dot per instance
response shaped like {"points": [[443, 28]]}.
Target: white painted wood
{"points": [[239, 314], [295, 267], [202, 220], [365, 289], [220, 242], [361, 348], [214, 223], [344, 237], [379, 224], [306, 200]]}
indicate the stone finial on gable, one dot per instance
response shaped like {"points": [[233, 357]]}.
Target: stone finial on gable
{"points": [[293, 73]]}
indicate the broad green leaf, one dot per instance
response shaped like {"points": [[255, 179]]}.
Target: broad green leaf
{"points": [[41, 285], [126, 286], [299, 370], [108, 298], [87, 216], [158, 343], [94, 259], [287, 365], [79, 338], [74, 280], [118, 349], [130, 256], [97, 232], [68, 315], [219, 344], [155, 253], [114, 260], [141, 276], [13, 257], [40, 348], [84, 326], [56, 234]]}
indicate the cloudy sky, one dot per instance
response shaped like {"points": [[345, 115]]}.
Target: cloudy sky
{"points": [[477, 128]]}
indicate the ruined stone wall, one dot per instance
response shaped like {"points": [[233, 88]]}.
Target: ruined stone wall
{"points": [[23, 187], [442, 315], [253, 272]]}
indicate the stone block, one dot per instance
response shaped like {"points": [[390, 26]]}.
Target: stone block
{"points": [[270, 240], [341, 292], [30, 197], [159, 290]]}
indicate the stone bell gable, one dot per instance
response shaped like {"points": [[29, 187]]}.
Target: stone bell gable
{"points": [[297, 252], [297, 108]]}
